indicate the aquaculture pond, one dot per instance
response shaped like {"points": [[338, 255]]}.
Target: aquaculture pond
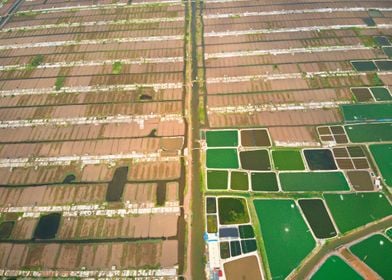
{"points": [[360, 180], [384, 65], [224, 250], [255, 138], [353, 210], [362, 94], [376, 132], [246, 231], [211, 205], [47, 226], [264, 181], [6, 229], [217, 179], [116, 186], [364, 66], [320, 159], [222, 158], [212, 224], [286, 236], [382, 154], [318, 218], [387, 50], [381, 94], [248, 245], [382, 41], [232, 211], [222, 138], [367, 112], [313, 181], [335, 268], [255, 160], [288, 160], [235, 248], [239, 181], [376, 252]]}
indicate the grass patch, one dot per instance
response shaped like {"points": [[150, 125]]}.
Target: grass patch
{"points": [[35, 62], [374, 79], [117, 67], [59, 82]]}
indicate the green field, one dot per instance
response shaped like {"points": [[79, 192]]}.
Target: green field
{"points": [[286, 237], [376, 252], [217, 179], [222, 138], [367, 112], [232, 211], [288, 160], [357, 209], [222, 158], [382, 154], [335, 268], [376, 132], [313, 181]]}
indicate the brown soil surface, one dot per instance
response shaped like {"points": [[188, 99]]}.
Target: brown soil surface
{"points": [[246, 268], [24, 228], [140, 193], [172, 189], [255, 138]]}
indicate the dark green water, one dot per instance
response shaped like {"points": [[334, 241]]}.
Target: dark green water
{"points": [[317, 216], [47, 226]]}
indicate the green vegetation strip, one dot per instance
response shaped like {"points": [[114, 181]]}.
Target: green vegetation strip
{"points": [[354, 210], [222, 158], [376, 252], [382, 154], [367, 112], [222, 138], [362, 133], [313, 181], [335, 268], [286, 237]]}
